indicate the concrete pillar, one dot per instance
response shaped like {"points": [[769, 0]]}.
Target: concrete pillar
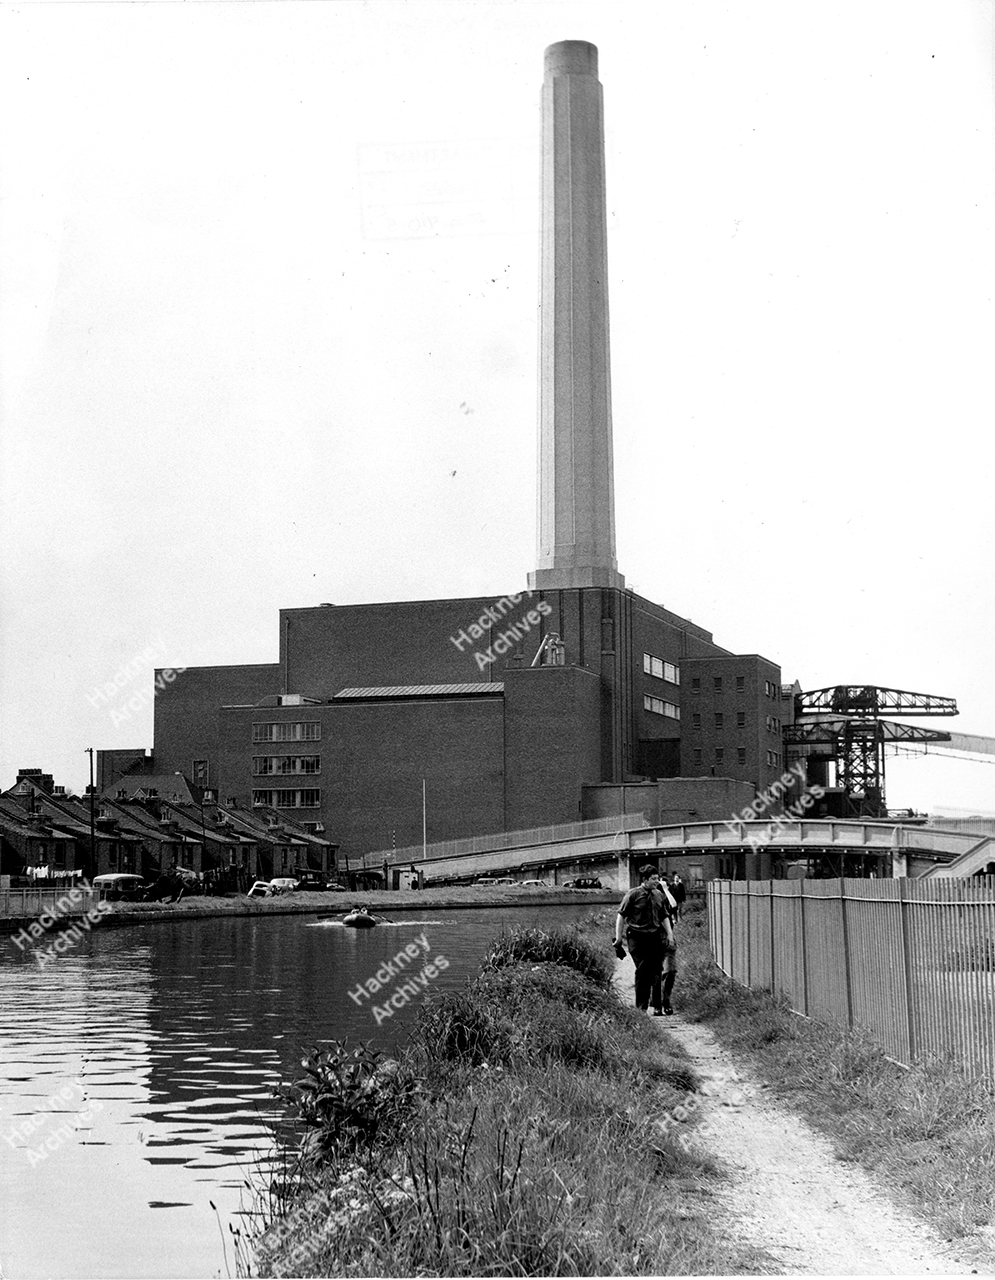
{"points": [[576, 507]]}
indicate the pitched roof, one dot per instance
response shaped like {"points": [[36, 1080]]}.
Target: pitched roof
{"points": [[165, 786]]}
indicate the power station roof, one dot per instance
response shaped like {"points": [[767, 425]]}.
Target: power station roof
{"points": [[422, 690]]}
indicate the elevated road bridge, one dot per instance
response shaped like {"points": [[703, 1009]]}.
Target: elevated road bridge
{"points": [[610, 849]]}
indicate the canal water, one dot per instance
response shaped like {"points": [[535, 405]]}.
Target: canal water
{"points": [[137, 1073]]}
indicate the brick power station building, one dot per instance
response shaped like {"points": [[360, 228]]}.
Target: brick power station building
{"points": [[534, 708]]}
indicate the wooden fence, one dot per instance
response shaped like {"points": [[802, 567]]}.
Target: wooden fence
{"points": [[910, 961]]}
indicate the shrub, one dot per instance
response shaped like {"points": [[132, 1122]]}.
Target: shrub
{"points": [[459, 1027], [347, 1100], [557, 946], [519, 984]]}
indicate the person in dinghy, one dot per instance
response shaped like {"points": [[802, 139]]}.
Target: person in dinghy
{"points": [[360, 918]]}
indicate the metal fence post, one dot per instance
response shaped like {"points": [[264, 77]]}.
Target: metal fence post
{"points": [[773, 984], [749, 938], [801, 909], [903, 908], [846, 954]]}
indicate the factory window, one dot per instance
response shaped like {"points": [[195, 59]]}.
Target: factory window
{"points": [[200, 773], [696, 720], [696, 755], [288, 731], [265, 765], [741, 755], [740, 719], [717, 683], [661, 708], [719, 720], [308, 798], [662, 670], [720, 755], [695, 684], [741, 682]]}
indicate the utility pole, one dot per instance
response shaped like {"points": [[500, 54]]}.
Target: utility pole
{"points": [[203, 833], [93, 820]]}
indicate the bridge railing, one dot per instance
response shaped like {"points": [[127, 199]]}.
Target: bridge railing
{"points": [[501, 840], [910, 961]]}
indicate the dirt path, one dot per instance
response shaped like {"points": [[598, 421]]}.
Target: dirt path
{"points": [[788, 1194]]}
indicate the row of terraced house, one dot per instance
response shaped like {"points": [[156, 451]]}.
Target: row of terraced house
{"points": [[150, 826]]}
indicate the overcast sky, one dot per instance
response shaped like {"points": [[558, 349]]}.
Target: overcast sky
{"points": [[269, 298]]}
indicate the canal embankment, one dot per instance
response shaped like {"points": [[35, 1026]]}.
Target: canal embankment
{"points": [[383, 902], [531, 1126]]}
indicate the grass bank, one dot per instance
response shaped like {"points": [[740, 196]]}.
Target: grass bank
{"points": [[380, 901], [927, 1132], [522, 1132]]}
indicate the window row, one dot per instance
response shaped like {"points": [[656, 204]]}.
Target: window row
{"points": [[720, 720], [661, 708], [774, 759], [287, 731], [717, 683], [263, 765], [720, 755], [662, 670], [771, 689], [307, 798]]}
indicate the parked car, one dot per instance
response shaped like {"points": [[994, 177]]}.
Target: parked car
{"points": [[121, 886], [312, 882], [284, 884], [333, 887], [261, 889], [583, 882], [495, 880], [535, 884]]}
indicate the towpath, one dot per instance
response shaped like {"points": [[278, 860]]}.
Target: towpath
{"points": [[786, 1191]]}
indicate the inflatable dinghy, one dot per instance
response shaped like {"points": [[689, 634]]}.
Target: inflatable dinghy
{"points": [[359, 918]]}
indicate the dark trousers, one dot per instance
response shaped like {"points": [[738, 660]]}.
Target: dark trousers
{"points": [[646, 950]]}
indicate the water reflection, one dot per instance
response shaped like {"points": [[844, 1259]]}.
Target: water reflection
{"points": [[137, 1074]]}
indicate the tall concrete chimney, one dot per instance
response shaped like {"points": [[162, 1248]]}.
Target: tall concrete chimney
{"points": [[576, 482]]}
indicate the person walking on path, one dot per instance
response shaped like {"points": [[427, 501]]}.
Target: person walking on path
{"points": [[675, 885], [645, 922]]}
